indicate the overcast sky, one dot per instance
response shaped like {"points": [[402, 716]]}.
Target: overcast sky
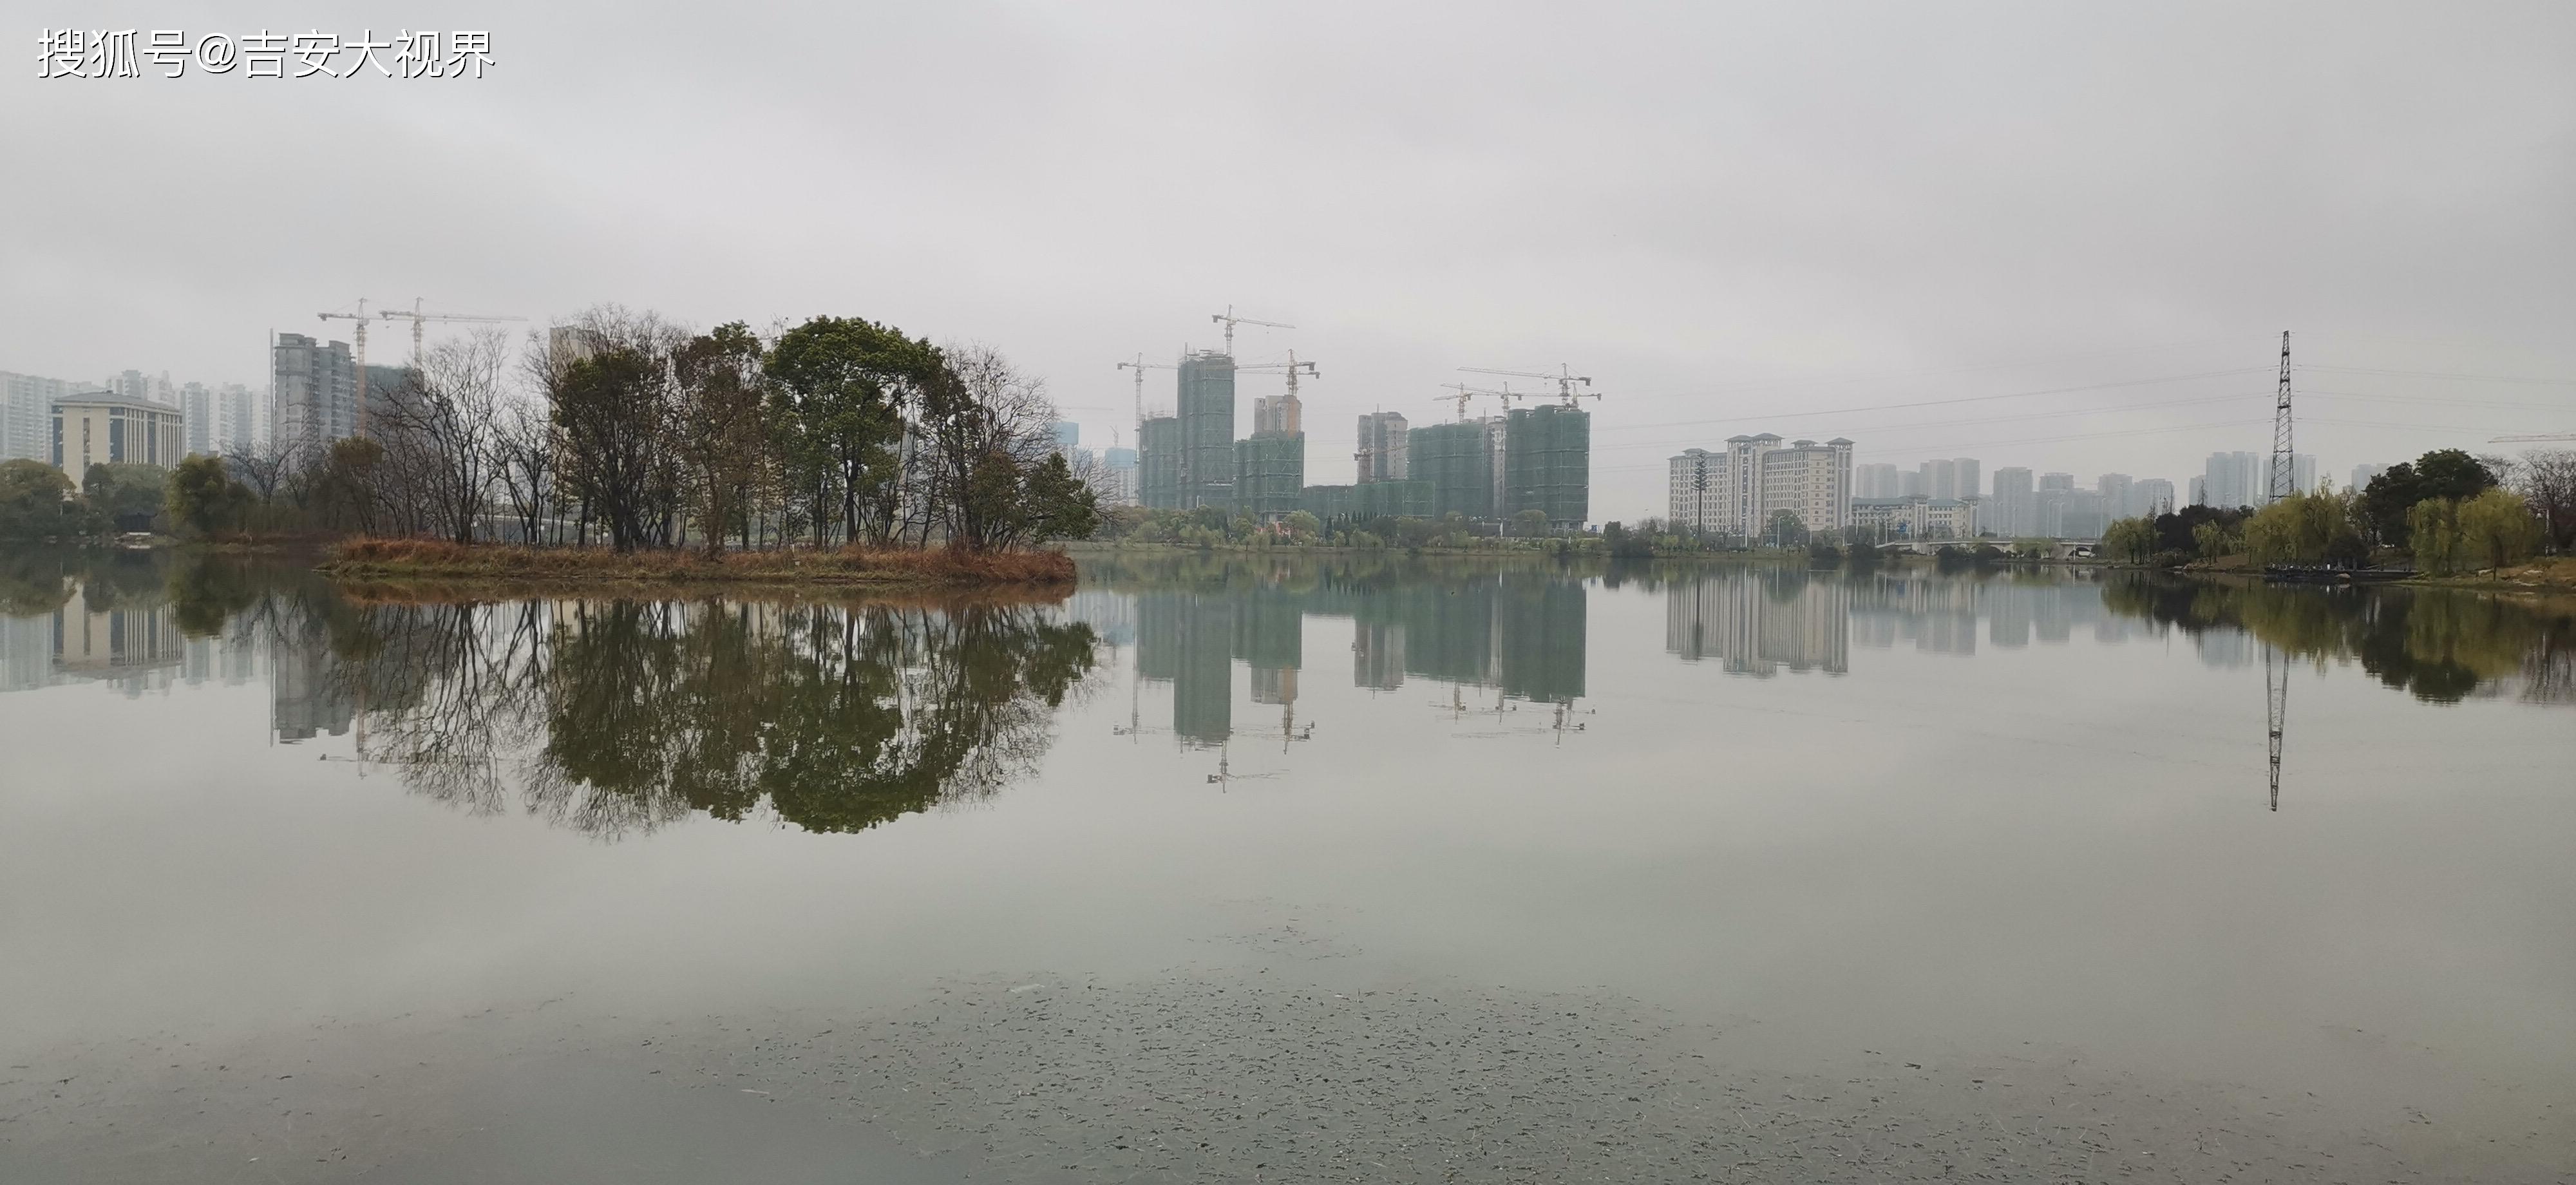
{"points": [[1723, 214]]}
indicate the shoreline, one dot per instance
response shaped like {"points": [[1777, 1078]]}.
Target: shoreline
{"points": [[387, 562]]}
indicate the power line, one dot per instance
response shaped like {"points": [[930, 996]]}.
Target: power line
{"points": [[2025, 440], [1784, 415], [1889, 376], [2034, 415], [2443, 374]]}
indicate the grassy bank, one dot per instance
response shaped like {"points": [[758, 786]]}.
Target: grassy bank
{"points": [[401, 560], [2555, 575]]}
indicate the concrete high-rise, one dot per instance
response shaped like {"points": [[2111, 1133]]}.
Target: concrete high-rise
{"points": [[1877, 481], [1461, 462], [1940, 480], [1384, 452], [1270, 465], [2151, 496], [2364, 474], [1696, 489], [1206, 415], [1158, 463], [2014, 512], [1737, 491], [315, 389], [2114, 488], [1547, 460], [27, 417], [1971, 475]]}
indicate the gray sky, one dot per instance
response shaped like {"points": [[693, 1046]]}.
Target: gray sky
{"points": [[1723, 213]]}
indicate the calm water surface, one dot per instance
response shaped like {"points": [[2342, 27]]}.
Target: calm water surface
{"points": [[750, 889]]}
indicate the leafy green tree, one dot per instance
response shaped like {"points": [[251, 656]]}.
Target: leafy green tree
{"points": [[2214, 539], [1304, 527], [202, 496], [2130, 540], [2433, 531], [2307, 528], [722, 429], [838, 389], [123, 490], [1785, 529], [2389, 503], [2497, 529], [1057, 505], [34, 501], [1530, 524]]}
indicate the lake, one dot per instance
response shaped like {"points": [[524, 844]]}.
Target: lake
{"points": [[1238, 868]]}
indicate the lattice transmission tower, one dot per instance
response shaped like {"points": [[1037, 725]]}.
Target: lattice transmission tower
{"points": [[2285, 480]]}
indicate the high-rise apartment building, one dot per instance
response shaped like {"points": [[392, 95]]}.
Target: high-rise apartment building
{"points": [[27, 416], [1877, 481], [1270, 465], [1158, 463], [1206, 414], [2364, 474], [1737, 491], [315, 388], [1971, 477], [2013, 510], [1547, 463], [1696, 491], [1461, 462], [1940, 480], [2150, 497], [2114, 488], [1383, 453]]}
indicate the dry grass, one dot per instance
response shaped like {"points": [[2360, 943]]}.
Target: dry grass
{"points": [[429, 559]]}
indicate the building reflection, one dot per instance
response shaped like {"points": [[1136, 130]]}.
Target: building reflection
{"points": [[1756, 623]]}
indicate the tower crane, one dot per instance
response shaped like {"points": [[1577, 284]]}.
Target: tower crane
{"points": [[1229, 320], [419, 318], [1292, 366], [1565, 379], [360, 317], [1140, 366], [1465, 392]]}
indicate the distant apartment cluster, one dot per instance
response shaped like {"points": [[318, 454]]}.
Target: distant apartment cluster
{"points": [[1742, 489], [1487, 470], [1738, 490], [2245, 479], [131, 418]]}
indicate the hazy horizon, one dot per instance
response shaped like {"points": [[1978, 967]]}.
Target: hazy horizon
{"points": [[1735, 220]]}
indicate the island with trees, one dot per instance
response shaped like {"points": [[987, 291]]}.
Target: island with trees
{"points": [[622, 446]]}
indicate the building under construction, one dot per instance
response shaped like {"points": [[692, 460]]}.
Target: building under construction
{"points": [[1207, 429], [1269, 475], [1367, 500], [1459, 463], [1547, 464], [1158, 463]]}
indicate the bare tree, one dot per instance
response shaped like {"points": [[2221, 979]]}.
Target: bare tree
{"points": [[609, 386], [2546, 478], [265, 467], [441, 432], [982, 428], [526, 446]]}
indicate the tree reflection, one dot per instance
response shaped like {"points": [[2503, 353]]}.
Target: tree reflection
{"points": [[2442, 645], [617, 717]]}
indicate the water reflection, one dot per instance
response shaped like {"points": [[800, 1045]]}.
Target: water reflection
{"points": [[1518, 632], [2441, 645], [615, 716]]}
